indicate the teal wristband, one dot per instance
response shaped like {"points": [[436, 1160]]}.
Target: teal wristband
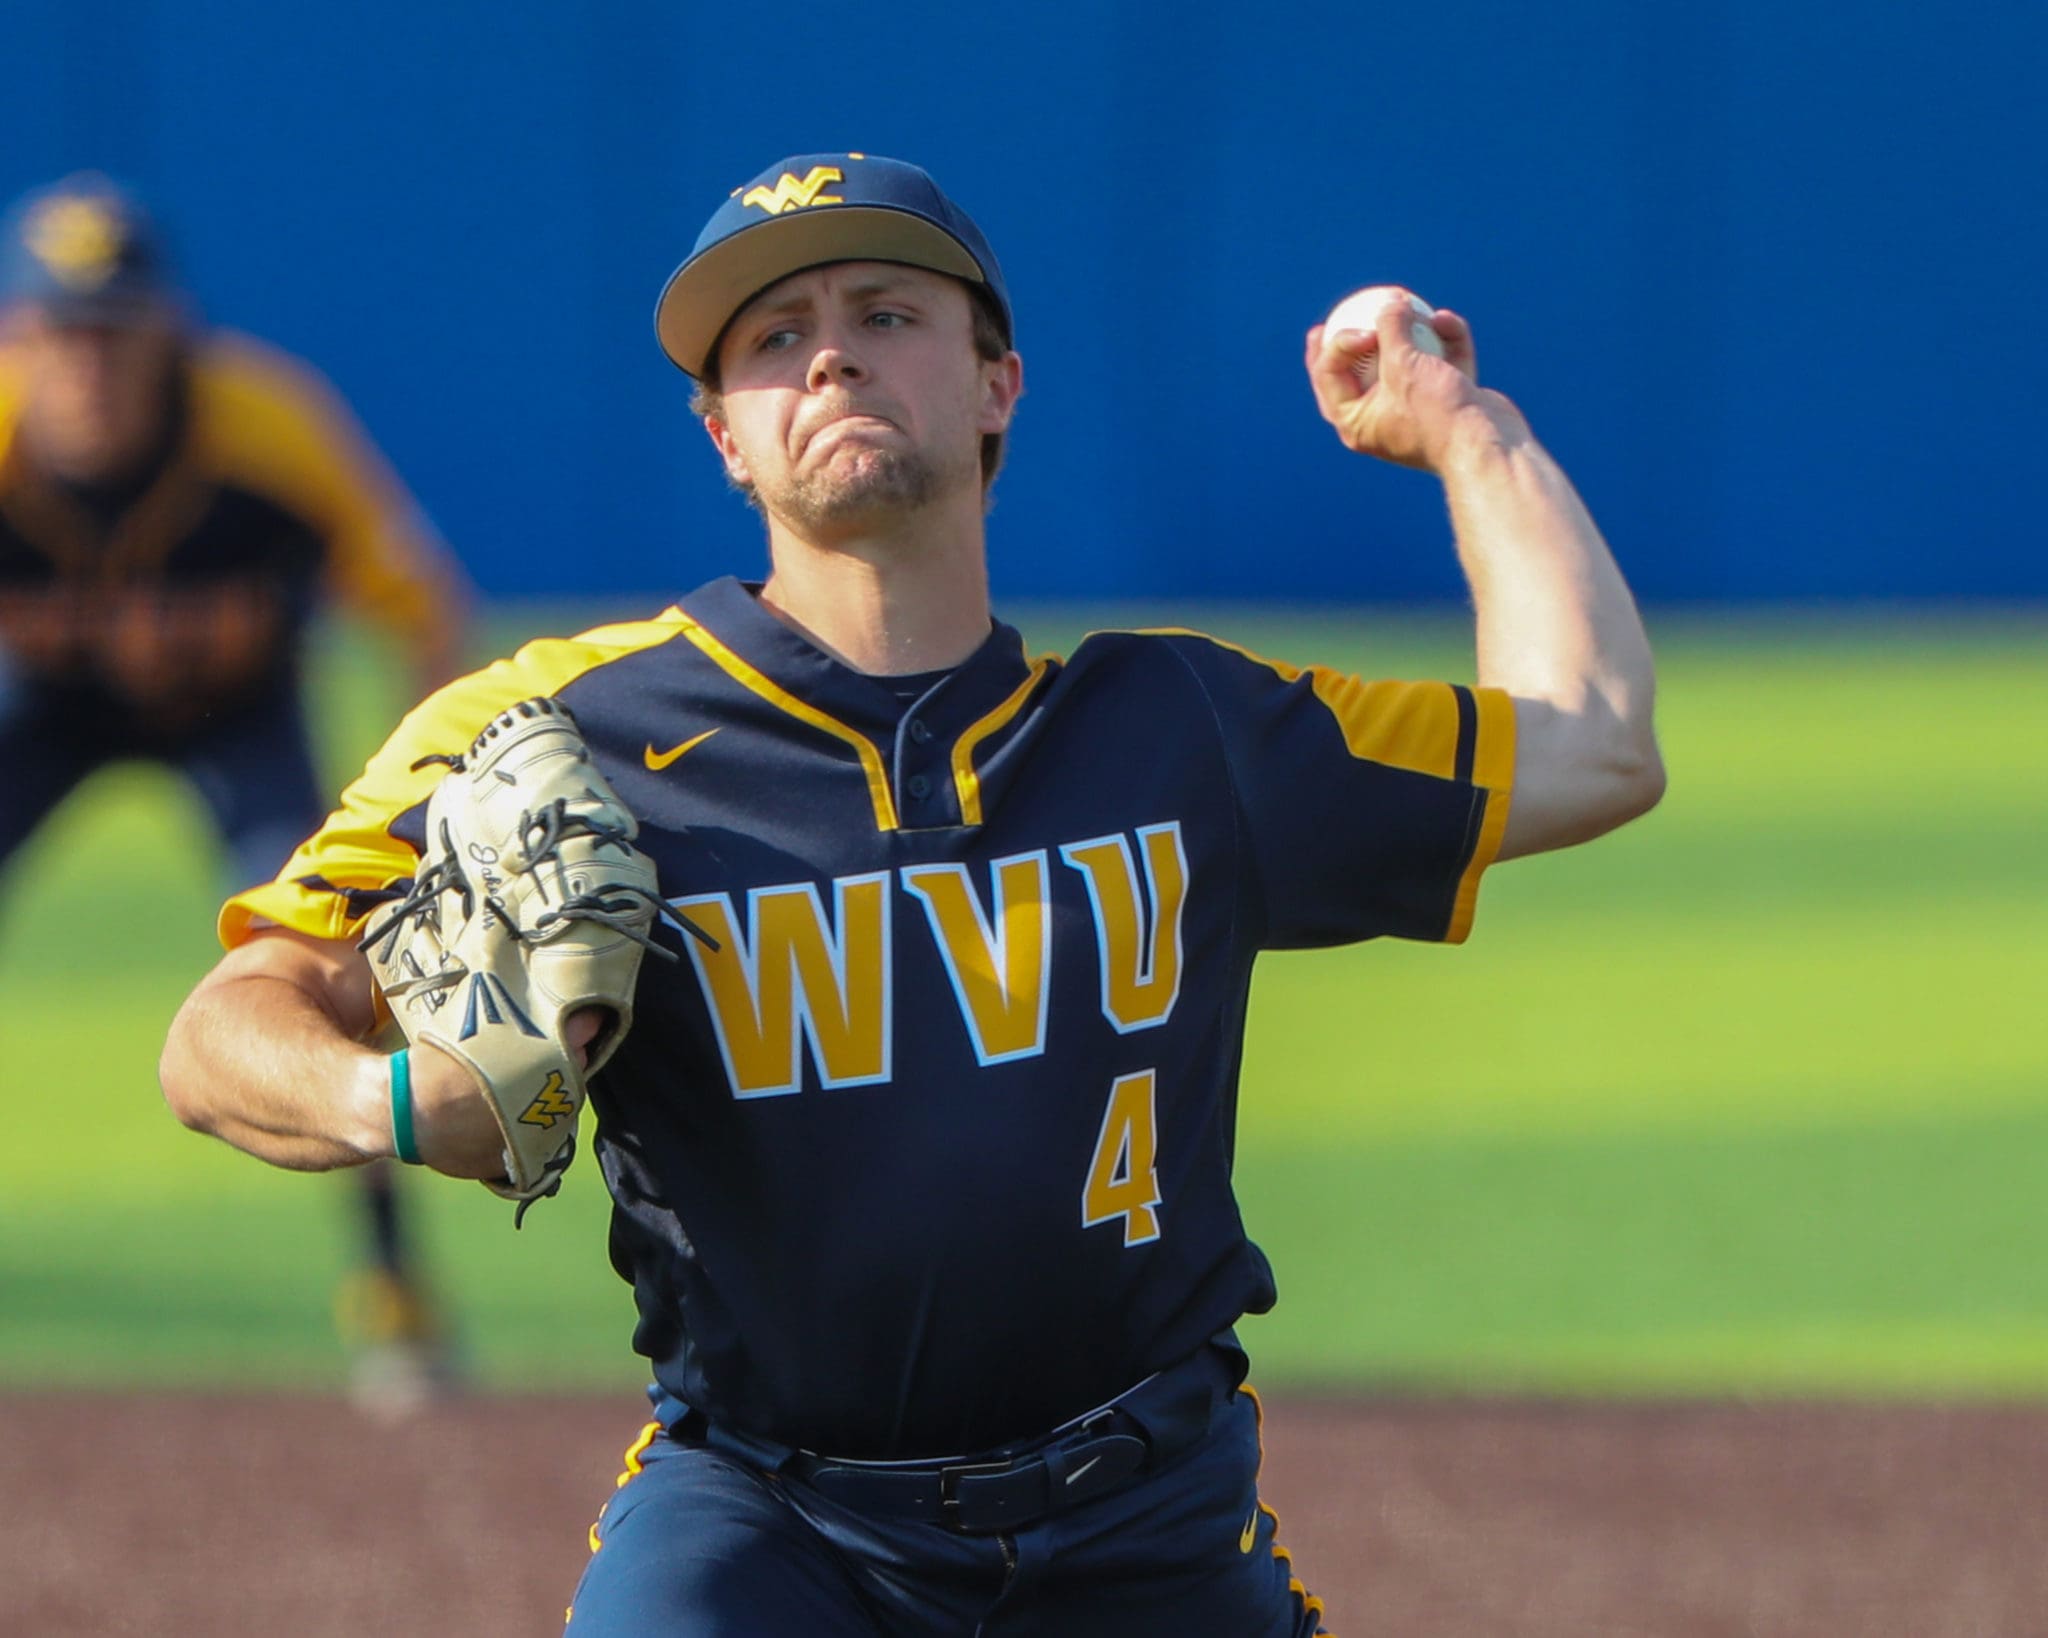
{"points": [[401, 1107]]}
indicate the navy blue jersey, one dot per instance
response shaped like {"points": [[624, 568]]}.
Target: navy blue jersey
{"points": [[934, 1150]]}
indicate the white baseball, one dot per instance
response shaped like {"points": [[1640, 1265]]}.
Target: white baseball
{"points": [[1361, 311]]}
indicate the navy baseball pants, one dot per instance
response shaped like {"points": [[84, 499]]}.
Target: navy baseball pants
{"points": [[711, 1536]]}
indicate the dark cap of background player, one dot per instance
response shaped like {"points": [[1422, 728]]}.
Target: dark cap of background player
{"points": [[803, 212], [85, 251]]}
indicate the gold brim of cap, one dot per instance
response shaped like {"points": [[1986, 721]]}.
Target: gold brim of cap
{"points": [[703, 295]]}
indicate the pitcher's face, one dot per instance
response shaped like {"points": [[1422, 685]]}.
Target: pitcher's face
{"points": [[853, 391]]}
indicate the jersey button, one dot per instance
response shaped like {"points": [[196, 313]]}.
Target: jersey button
{"points": [[918, 731], [919, 786]]}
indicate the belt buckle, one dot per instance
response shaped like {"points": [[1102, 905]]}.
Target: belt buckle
{"points": [[949, 1486], [1094, 1425]]}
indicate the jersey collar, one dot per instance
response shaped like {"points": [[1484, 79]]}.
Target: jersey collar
{"points": [[923, 759], [730, 610]]}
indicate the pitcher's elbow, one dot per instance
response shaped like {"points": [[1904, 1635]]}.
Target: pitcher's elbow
{"points": [[1630, 782], [1645, 783], [181, 1085]]}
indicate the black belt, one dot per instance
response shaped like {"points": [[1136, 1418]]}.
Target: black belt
{"points": [[987, 1496], [1137, 1433]]}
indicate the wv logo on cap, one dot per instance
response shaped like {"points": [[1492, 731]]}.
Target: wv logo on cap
{"points": [[790, 194]]}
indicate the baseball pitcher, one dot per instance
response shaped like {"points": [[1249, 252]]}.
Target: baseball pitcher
{"points": [[917, 1109]]}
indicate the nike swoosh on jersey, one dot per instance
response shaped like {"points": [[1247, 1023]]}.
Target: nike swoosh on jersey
{"points": [[658, 760], [1251, 1532]]}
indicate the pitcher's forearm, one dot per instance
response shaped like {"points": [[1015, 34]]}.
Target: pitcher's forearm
{"points": [[260, 1061], [1559, 631], [1556, 621]]}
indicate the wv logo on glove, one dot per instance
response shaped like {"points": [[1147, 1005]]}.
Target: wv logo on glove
{"points": [[550, 1104]]}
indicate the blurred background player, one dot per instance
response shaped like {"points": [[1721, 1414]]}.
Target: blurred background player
{"points": [[176, 504]]}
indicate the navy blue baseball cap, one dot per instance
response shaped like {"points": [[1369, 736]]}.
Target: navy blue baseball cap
{"points": [[806, 211], [85, 250]]}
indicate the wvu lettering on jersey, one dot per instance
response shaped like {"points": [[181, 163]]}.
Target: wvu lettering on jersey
{"points": [[1001, 968], [1140, 975], [791, 975]]}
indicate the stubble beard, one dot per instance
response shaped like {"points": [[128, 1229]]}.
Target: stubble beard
{"points": [[875, 487]]}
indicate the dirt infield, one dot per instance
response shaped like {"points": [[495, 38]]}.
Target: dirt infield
{"points": [[237, 1516]]}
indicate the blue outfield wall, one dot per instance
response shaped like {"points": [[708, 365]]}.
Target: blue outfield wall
{"points": [[1764, 275]]}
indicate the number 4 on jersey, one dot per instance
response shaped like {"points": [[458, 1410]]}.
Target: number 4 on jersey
{"points": [[1123, 1178]]}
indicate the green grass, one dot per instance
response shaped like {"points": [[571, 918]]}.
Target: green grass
{"points": [[1749, 1098]]}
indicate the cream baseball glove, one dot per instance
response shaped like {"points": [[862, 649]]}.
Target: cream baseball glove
{"points": [[531, 902]]}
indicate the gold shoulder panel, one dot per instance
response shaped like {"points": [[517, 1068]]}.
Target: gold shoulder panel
{"points": [[321, 889], [1411, 725]]}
